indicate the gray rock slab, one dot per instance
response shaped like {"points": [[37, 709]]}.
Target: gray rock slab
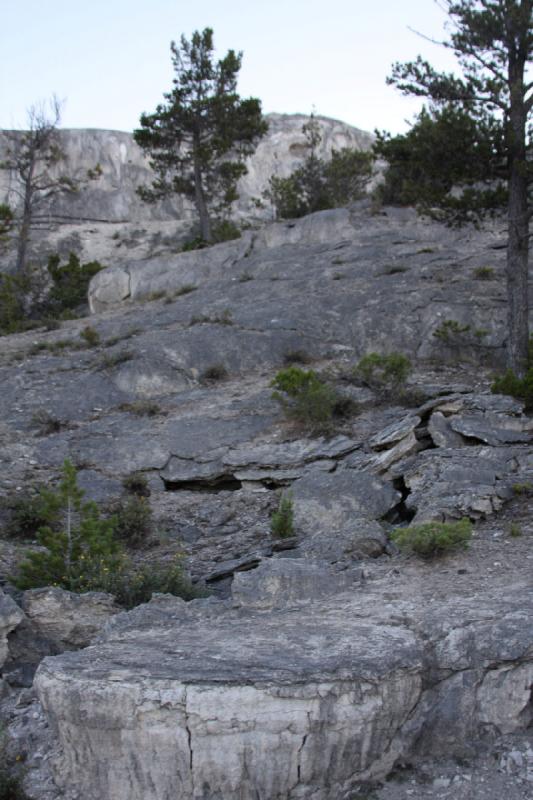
{"points": [[174, 694], [281, 582], [442, 433], [179, 702], [335, 513], [393, 433], [469, 481], [492, 429]]}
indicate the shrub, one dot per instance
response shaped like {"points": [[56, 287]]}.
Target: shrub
{"points": [[110, 360], [484, 273], [132, 520], [515, 531], [282, 520], [185, 289], [132, 587], [136, 483], [214, 373], [305, 398], [383, 373], [450, 331], [511, 384], [70, 282], [81, 553], [317, 184], [10, 775], [225, 231], [310, 401], [12, 313], [90, 336], [28, 512], [297, 357], [45, 422], [141, 408], [77, 553], [434, 538]]}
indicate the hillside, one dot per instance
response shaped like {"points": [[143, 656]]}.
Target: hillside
{"points": [[320, 663]]}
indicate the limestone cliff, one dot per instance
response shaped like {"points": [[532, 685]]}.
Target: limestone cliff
{"points": [[112, 197]]}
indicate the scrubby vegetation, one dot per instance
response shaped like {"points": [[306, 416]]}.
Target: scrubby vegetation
{"points": [[308, 400], [511, 384], [10, 774], [282, 520], [318, 185], [35, 300], [433, 539], [384, 374], [83, 551]]}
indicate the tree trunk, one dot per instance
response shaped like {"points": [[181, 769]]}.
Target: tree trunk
{"points": [[199, 196], [25, 225], [518, 219]]}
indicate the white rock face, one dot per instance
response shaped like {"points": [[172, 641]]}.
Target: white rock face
{"points": [[112, 196], [202, 701]]}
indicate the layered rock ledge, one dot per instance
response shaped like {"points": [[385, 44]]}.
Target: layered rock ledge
{"points": [[213, 700]]}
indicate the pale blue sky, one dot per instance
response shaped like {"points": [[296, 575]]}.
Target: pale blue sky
{"points": [[109, 60]]}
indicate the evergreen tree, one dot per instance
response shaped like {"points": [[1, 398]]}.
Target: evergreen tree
{"points": [[77, 553], [486, 111], [317, 184], [199, 137]]}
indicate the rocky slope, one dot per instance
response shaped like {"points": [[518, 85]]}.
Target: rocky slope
{"points": [[321, 662]]}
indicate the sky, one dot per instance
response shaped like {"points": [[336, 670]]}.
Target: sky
{"points": [[109, 60]]}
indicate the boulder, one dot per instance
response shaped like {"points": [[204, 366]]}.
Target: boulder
{"points": [[66, 619], [10, 616], [200, 700], [335, 513]]}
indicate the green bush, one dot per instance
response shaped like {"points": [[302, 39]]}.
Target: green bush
{"points": [[309, 401], [511, 384], [305, 398], [214, 374], [434, 538], [76, 554], [451, 332], [70, 283], [91, 336], [28, 511], [131, 587], [383, 373], [282, 520], [81, 552], [317, 184], [136, 483], [133, 520]]}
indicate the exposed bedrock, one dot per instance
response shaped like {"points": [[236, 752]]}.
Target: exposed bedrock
{"points": [[205, 701]]}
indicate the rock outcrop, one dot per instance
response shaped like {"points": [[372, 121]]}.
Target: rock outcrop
{"points": [[321, 660], [200, 701], [121, 167]]}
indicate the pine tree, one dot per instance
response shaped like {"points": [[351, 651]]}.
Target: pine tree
{"points": [[199, 137], [76, 554], [487, 108]]}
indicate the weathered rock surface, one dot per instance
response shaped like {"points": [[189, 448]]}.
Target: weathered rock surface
{"points": [[10, 616], [207, 699], [313, 665], [68, 620], [106, 216]]}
